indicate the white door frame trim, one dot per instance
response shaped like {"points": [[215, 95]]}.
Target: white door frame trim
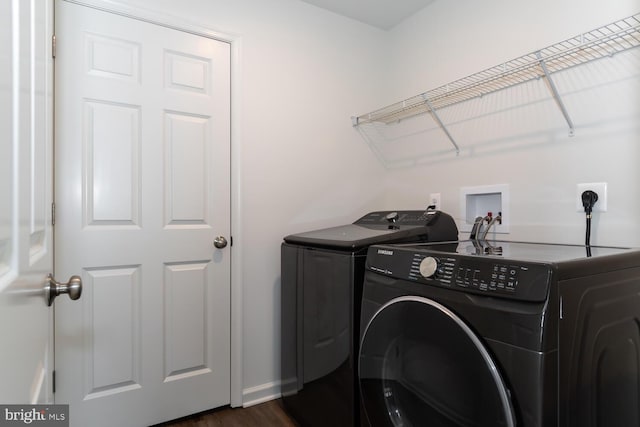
{"points": [[174, 22]]}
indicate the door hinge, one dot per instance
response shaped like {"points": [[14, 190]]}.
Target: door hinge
{"points": [[53, 46], [53, 214], [53, 380]]}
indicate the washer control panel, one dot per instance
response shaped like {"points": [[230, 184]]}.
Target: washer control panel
{"points": [[487, 275]]}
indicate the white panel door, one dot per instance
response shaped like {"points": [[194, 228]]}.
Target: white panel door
{"points": [[142, 191], [26, 185]]}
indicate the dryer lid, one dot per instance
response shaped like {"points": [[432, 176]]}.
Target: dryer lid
{"points": [[381, 227], [354, 236]]}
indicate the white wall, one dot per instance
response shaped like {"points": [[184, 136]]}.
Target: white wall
{"points": [[303, 73], [519, 136]]}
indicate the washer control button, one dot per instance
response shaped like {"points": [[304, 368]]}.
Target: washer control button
{"points": [[428, 266]]}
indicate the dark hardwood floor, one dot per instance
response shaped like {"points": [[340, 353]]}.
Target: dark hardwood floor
{"points": [[268, 414]]}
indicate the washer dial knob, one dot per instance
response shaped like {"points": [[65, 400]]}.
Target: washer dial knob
{"points": [[392, 217], [428, 266]]}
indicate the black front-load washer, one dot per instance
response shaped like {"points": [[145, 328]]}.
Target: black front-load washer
{"points": [[501, 334], [321, 287]]}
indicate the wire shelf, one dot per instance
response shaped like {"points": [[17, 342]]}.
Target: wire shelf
{"points": [[601, 42]]}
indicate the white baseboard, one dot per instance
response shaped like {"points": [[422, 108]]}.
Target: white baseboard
{"points": [[260, 393]]}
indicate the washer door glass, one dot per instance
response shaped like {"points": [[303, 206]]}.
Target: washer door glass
{"points": [[421, 365]]}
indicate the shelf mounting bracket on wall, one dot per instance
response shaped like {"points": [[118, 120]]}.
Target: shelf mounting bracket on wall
{"points": [[436, 117], [556, 94]]}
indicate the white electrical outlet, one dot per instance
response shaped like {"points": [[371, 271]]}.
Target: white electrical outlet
{"points": [[600, 188], [434, 199]]}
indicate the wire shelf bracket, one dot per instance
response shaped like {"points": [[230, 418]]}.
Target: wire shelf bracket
{"points": [[602, 42], [556, 94], [436, 117]]}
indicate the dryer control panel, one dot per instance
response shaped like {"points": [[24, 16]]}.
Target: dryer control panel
{"points": [[415, 218], [490, 276]]}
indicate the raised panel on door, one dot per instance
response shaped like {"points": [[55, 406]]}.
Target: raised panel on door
{"points": [[111, 143], [143, 189], [186, 169], [186, 306], [112, 343]]}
